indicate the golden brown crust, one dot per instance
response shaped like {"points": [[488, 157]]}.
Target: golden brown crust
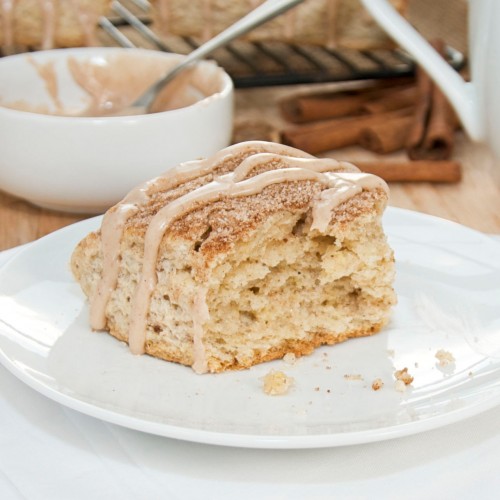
{"points": [[300, 348]]}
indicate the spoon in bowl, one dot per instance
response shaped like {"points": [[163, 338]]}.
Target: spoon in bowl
{"points": [[265, 12]]}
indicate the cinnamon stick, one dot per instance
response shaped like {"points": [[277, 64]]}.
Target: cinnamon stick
{"points": [[386, 137], [314, 107], [413, 171], [439, 138], [432, 134], [422, 110], [335, 133], [396, 99], [305, 109]]}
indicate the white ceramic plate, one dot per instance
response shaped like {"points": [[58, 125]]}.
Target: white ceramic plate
{"points": [[448, 283]]}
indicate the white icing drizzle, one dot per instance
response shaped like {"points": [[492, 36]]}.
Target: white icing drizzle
{"points": [[330, 198], [200, 315], [208, 19], [290, 24], [112, 230], [340, 187], [49, 23], [46, 71], [8, 22], [332, 16], [86, 19], [164, 16], [310, 163]]}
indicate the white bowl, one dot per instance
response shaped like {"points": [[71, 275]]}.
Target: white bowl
{"points": [[86, 164]]}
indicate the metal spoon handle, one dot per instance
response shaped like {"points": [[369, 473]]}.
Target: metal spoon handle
{"points": [[265, 12]]}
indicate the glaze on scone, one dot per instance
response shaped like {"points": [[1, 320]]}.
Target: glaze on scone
{"points": [[223, 263]]}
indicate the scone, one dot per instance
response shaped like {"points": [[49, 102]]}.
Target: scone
{"points": [[333, 23], [50, 23], [230, 261]]}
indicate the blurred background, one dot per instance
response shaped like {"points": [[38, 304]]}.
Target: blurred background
{"points": [[446, 19]]}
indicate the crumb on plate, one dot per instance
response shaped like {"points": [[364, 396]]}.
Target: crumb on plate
{"points": [[403, 376], [290, 358], [445, 358], [377, 384], [277, 383]]}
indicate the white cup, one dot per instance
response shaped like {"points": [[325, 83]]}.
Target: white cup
{"points": [[477, 102], [84, 163]]}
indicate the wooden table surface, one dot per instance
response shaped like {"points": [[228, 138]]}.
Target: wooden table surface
{"points": [[474, 202]]}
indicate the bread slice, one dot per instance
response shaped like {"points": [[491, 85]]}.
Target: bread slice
{"points": [[242, 258], [50, 23], [333, 23]]}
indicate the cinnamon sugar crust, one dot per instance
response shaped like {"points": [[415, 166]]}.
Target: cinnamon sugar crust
{"points": [[217, 226]]}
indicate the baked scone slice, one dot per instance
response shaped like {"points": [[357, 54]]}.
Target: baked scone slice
{"points": [[47, 24], [242, 258]]}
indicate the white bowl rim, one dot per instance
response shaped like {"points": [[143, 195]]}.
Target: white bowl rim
{"points": [[227, 88]]}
